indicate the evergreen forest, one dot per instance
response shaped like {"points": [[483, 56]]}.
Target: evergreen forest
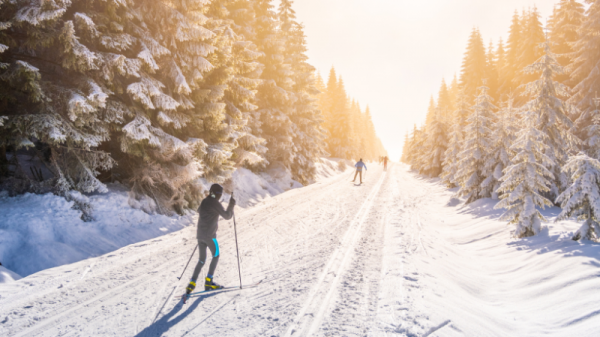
{"points": [[159, 94], [521, 122]]}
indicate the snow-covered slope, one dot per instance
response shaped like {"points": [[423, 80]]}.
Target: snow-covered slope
{"points": [[395, 256], [44, 231]]}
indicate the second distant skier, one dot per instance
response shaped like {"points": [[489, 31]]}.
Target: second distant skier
{"points": [[359, 166]]}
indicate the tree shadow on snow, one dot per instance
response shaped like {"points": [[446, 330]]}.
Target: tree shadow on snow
{"points": [[161, 326], [483, 208], [559, 242]]}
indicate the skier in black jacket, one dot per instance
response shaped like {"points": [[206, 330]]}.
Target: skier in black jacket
{"points": [[208, 224]]}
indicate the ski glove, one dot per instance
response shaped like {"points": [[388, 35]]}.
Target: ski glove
{"points": [[232, 201]]}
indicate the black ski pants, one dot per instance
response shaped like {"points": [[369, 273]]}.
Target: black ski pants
{"points": [[213, 245]]}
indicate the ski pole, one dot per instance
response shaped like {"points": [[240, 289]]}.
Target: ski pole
{"points": [[179, 278], [236, 246]]}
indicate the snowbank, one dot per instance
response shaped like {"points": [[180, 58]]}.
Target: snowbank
{"points": [[7, 276], [44, 231]]}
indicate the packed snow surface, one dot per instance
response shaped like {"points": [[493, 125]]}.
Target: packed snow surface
{"points": [[396, 256]]}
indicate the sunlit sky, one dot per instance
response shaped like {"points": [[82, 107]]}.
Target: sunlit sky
{"points": [[393, 54]]}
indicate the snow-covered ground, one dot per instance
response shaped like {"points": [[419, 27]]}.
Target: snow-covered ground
{"points": [[395, 256], [38, 232]]}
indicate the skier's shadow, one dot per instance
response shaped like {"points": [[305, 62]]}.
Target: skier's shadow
{"points": [[161, 326]]}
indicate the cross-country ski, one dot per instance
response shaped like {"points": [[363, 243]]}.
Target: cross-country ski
{"points": [[185, 297], [299, 168]]}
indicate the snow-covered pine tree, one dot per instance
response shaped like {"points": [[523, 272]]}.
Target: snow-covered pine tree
{"points": [[374, 146], [470, 172], [499, 156], [171, 139], [55, 90], [5, 40], [500, 58], [492, 76], [552, 113], [526, 180], [435, 145], [512, 66], [452, 155], [275, 98], [454, 91], [444, 103], [417, 150], [564, 25], [341, 128], [529, 49], [431, 111], [474, 65], [582, 199], [405, 149], [584, 67], [308, 136], [592, 131], [238, 70]]}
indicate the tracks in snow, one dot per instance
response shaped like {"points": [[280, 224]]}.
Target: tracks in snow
{"points": [[309, 318]]}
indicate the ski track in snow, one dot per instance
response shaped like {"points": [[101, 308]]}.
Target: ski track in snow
{"points": [[388, 258]]}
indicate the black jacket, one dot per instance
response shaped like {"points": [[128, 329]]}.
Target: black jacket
{"points": [[208, 222]]}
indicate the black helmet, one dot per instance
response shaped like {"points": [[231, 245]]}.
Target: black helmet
{"points": [[216, 189]]}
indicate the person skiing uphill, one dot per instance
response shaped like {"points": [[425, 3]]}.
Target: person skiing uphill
{"points": [[208, 224], [385, 161], [359, 166]]}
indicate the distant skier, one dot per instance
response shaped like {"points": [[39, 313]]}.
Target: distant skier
{"points": [[208, 224], [359, 166], [385, 161]]}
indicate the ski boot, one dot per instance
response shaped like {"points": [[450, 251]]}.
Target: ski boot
{"points": [[210, 285], [190, 287]]}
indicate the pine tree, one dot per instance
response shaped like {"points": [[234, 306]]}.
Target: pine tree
{"points": [[500, 153], [592, 132], [582, 199], [470, 172], [275, 96], [431, 111], [452, 155], [54, 88], [564, 25], [552, 114], [454, 92], [492, 77], [474, 67], [239, 72], [444, 103], [417, 150], [341, 130], [306, 118], [500, 70], [526, 180], [435, 145], [530, 51], [586, 61], [513, 46]]}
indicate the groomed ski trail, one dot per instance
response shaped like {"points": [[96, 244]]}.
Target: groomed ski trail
{"points": [[395, 256]]}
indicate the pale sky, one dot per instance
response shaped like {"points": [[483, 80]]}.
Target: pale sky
{"points": [[393, 54]]}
